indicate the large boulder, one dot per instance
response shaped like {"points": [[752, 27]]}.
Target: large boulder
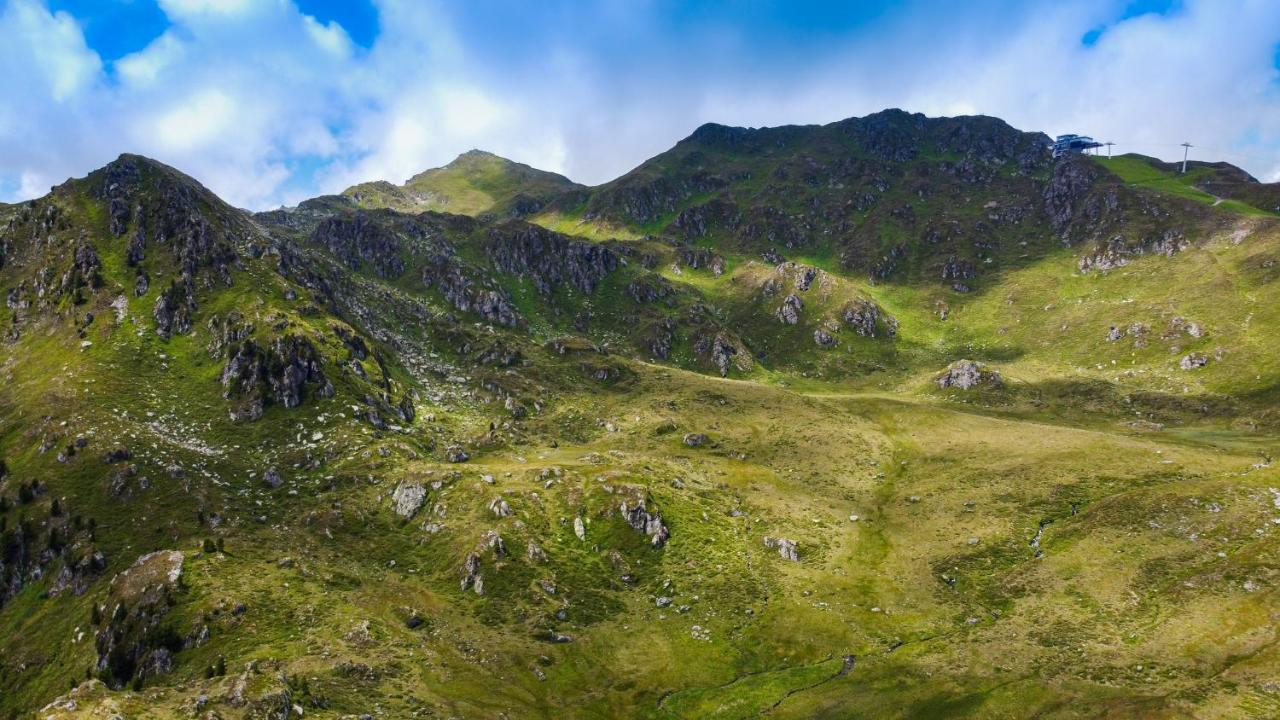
{"points": [[407, 499], [967, 374]]}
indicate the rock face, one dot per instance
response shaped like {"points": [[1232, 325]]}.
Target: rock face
{"points": [[643, 521], [407, 499], [548, 259], [786, 548], [174, 309], [133, 640], [967, 374], [357, 241], [281, 373], [1072, 179]]}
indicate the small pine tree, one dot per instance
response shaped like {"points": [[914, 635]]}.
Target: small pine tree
{"points": [[95, 616], [55, 510], [221, 545], [209, 547]]}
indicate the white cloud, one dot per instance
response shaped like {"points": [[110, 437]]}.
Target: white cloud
{"points": [[195, 121], [238, 92]]}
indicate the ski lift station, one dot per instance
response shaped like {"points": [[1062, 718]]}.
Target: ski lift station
{"points": [[1076, 144]]}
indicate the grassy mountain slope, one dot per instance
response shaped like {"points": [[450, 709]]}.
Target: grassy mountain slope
{"points": [[676, 449], [475, 182]]}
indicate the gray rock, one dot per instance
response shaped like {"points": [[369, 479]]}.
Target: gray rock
{"points": [[648, 523], [967, 374], [407, 499], [786, 548], [500, 508], [1194, 360], [789, 312], [471, 579]]}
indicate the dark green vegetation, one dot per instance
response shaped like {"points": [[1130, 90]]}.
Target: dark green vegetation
{"points": [[894, 417]]}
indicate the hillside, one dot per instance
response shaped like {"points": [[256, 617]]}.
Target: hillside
{"points": [[895, 416], [475, 182]]}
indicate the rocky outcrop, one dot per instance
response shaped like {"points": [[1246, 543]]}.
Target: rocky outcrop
{"points": [[167, 210], [407, 499], [699, 221], [864, 317], [650, 288], [787, 549], [471, 577], [500, 508], [1065, 195], [722, 354], [174, 309], [547, 259], [967, 374], [357, 240], [700, 258], [788, 312], [282, 373], [644, 198], [30, 549], [1194, 360], [645, 522], [133, 640], [459, 288]]}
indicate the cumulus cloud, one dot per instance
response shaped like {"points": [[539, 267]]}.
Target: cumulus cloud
{"points": [[267, 105]]}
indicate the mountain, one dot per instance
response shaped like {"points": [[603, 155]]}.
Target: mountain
{"points": [[896, 414], [475, 182]]}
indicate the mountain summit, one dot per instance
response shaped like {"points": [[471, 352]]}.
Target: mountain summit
{"points": [[476, 182], [897, 416]]}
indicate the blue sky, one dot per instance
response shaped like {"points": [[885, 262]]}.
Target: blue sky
{"points": [[271, 101]]}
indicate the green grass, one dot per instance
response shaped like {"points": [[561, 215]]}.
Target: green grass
{"points": [[1138, 171]]}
